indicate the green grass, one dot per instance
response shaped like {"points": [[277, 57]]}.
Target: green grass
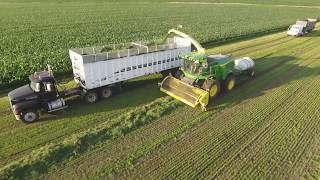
{"points": [[258, 130], [33, 35], [268, 127], [271, 2], [41, 159]]}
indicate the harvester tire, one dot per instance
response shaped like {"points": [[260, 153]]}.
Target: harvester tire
{"points": [[213, 87], [229, 83]]}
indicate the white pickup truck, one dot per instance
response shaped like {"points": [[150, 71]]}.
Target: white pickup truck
{"points": [[302, 27]]}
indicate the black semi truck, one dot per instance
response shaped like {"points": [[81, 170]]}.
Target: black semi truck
{"points": [[41, 94]]}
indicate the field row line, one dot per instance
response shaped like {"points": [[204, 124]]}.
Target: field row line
{"points": [[279, 141], [207, 161], [264, 136], [245, 4], [78, 143], [240, 118]]}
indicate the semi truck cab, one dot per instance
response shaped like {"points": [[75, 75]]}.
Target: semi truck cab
{"points": [[40, 94]]}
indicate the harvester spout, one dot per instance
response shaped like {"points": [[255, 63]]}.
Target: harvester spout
{"points": [[198, 46]]}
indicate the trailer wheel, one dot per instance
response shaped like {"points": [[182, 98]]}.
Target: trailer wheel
{"points": [[29, 116], [90, 97], [105, 92], [230, 83], [165, 73], [178, 74]]}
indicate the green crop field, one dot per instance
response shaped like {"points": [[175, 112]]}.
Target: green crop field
{"points": [[267, 128], [34, 34]]}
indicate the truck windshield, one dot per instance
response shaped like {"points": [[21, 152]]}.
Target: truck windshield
{"points": [[192, 67], [35, 86]]}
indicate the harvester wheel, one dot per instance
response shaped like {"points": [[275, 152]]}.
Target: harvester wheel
{"points": [[213, 87], [230, 83]]}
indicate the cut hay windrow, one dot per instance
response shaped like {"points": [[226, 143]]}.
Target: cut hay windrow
{"points": [[39, 160]]}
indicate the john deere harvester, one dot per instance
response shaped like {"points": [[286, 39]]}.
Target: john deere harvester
{"points": [[202, 77]]}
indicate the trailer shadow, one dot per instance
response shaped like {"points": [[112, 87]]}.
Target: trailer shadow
{"points": [[248, 88], [132, 94]]}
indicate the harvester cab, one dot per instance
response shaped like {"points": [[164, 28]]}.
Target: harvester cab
{"points": [[202, 77]]}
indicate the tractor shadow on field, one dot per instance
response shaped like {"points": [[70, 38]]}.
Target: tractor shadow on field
{"points": [[280, 70], [131, 94]]}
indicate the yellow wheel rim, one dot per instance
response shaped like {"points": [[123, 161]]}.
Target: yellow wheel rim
{"points": [[231, 84], [213, 90]]}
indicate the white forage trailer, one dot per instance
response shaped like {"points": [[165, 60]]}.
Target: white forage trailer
{"points": [[96, 69], [302, 27]]}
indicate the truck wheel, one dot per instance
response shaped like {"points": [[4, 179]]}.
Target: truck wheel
{"points": [[251, 73], [29, 116], [90, 97], [230, 83], [105, 92]]}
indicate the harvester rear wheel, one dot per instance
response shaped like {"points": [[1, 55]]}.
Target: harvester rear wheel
{"points": [[230, 83]]}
